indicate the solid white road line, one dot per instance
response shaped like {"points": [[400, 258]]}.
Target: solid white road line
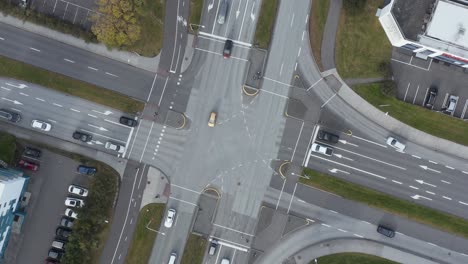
{"points": [[425, 96], [369, 141], [146, 143], [416, 95], [164, 89], [234, 230], [292, 197], [35, 49], [123, 142], [224, 39], [243, 249], [184, 188], [297, 141], [152, 86], [350, 167], [180, 200], [281, 193], [404, 98], [364, 156]]}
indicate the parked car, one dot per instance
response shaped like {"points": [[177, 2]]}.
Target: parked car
{"points": [[58, 244], [213, 247], [66, 222], [77, 190], [114, 147], [391, 141], [225, 261], [28, 165], [388, 232], [227, 49], [319, 148], [171, 213], [55, 254], [128, 121], [452, 103], [10, 115], [70, 213], [82, 136], [431, 96], [212, 120], [82, 169], [32, 152], [327, 136], [41, 125], [63, 232], [74, 202], [51, 261]]}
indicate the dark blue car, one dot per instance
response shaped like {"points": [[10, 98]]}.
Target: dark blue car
{"points": [[82, 169]]}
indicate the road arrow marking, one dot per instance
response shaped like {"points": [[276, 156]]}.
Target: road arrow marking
{"points": [[427, 168], [238, 9], [342, 157], [334, 170], [13, 101], [252, 12], [417, 197], [347, 143], [423, 182], [210, 6], [20, 86], [100, 128], [107, 112], [98, 142]]}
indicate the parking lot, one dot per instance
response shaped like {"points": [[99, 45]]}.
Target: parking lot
{"points": [[49, 189], [415, 76]]}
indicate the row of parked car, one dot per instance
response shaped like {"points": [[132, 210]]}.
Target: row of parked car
{"points": [[450, 105], [28, 154], [63, 231]]}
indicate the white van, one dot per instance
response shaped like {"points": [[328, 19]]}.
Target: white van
{"points": [[172, 258]]}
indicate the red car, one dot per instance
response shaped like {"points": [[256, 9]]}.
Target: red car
{"points": [[28, 165]]}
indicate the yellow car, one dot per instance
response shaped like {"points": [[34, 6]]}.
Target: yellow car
{"points": [[212, 121]]}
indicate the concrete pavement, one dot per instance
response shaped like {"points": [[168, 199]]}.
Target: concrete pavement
{"points": [[329, 34]]}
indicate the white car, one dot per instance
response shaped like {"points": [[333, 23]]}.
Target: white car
{"points": [[114, 147], [319, 148], [70, 213], [73, 202], [391, 141], [41, 125], [171, 213], [77, 190]]}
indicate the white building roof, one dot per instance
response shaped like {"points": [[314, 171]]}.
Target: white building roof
{"points": [[450, 23]]}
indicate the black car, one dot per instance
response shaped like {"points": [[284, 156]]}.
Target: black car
{"points": [[386, 231], [10, 115], [327, 136], [227, 49], [63, 232], [32, 152], [82, 169], [66, 222], [128, 121], [82, 136], [431, 96], [55, 254]]}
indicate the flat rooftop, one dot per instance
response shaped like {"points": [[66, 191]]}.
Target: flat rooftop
{"points": [[450, 23]]}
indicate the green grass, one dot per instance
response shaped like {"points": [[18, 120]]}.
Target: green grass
{"points": [[265, 23], [22, 71], [194, 250], [151, 21], [143, 239], [410, 210], [196, 7], [7, 147], [437, 124], [361, 44], [316, 26], [352, 258]]}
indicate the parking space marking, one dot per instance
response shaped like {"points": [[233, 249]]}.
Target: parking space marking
{"points": [[425, 96], [464, 110], [411, 64], [416, 95], [404, 98], [445, 100]]}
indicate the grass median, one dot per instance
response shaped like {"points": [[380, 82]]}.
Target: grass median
{"points": [[351, 258], [434, 123], [194, 250], [196, 7], [149, 219], [22, 71], [265, 23], [7, 147], [319, 12], [362, 46], [379, 200]]}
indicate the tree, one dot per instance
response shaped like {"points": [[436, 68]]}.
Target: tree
{"points": [[116, 23]]}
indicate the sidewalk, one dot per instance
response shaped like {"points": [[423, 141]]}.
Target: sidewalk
{"points": [[100, 49], [329, 35]]}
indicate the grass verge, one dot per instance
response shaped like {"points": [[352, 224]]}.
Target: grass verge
{"points": [[194, 250], [410, 210], [151, 21], [265, 23], [7, 147], [351, 258], [361, 45], [22, 71], [143, 238], [434, 123], [319, 12], [196, 7]]}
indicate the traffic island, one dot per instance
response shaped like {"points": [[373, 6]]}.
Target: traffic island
{"points": [[177, 120], [255, 70]]}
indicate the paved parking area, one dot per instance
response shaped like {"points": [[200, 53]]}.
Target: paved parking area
{"points": [[48, 188], [414, 76]]}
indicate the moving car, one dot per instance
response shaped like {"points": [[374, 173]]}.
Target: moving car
{"points": [[82, 169], [32, 152], [70, 213], [452, 103], [388, 232], [172, 258], [327, 136], [171, 213], [82, 136], [391, 141], [227, 49], [10, 115], [431, 96], [128, 121], [74, 202], [319, 148], [222, 12], [41, 125], [213, 247], [212, 120], [28, 165], [114, 147], [63, 232], [66, 222], [55, 254], [77, 190]]}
